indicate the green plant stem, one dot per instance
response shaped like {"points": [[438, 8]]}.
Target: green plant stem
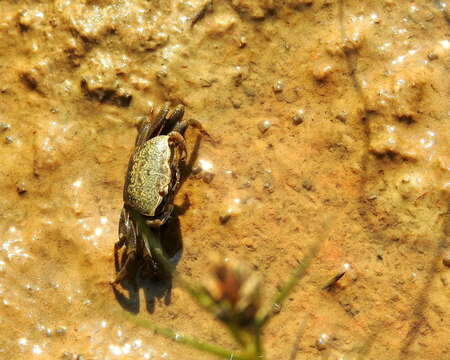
{"points": [[251, 343], [298, 338], [154, 244], [236, 333], [189, 341], [298, 274], [258, 345], [294, 279]]}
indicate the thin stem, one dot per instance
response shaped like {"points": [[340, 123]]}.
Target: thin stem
{"points": [[189, 341], [153, 243], [298, 338], [258, 345], [298, 274], [236, 334], [294, 279], [201, 297], [252, 345], [156, 249]]}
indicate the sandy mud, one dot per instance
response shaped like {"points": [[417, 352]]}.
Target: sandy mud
{"points": [[324, 114]]}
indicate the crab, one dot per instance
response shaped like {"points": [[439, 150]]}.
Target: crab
{"points": [[151, 183]]}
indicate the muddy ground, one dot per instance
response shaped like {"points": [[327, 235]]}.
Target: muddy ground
{"points": [[323, 114]]}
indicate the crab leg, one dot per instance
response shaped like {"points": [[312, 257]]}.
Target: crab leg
{"points": [[127, 237], [151, 129]]}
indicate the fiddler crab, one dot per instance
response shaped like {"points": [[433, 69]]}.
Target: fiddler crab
{"points": [[151, 183]]}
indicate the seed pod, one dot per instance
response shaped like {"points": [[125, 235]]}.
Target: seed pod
{"points": [[235, 292]]}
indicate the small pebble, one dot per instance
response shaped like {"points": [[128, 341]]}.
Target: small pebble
{"points": [[278, 86], [207, 176], [224, 218], [268, 187], [21, 188], [342, 116], [246, 184], [4, 126], [298, 117], [161, 74], [276, 308], [239, 76], [61, 330], [9, 139], [236, 103], [307, 185], [432, 56], [196, 170], [322, 341], [446, 260], [322, 71], [69, 356], [242, 42], [264, 125]]}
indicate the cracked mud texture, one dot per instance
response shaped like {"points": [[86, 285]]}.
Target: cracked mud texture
{"points": [[320, 113]]}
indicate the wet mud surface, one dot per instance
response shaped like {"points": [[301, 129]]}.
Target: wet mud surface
{"points": [[322, 113]]}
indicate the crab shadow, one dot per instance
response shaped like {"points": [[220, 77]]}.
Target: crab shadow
{"points": [[154, 289]]}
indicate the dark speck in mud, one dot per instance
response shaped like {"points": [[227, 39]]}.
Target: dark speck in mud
{"points": [[223, 219], [446, 260], [106, 95], [29, 80], [342, 117], [208, 176], [307, 185], [268, 187]]}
